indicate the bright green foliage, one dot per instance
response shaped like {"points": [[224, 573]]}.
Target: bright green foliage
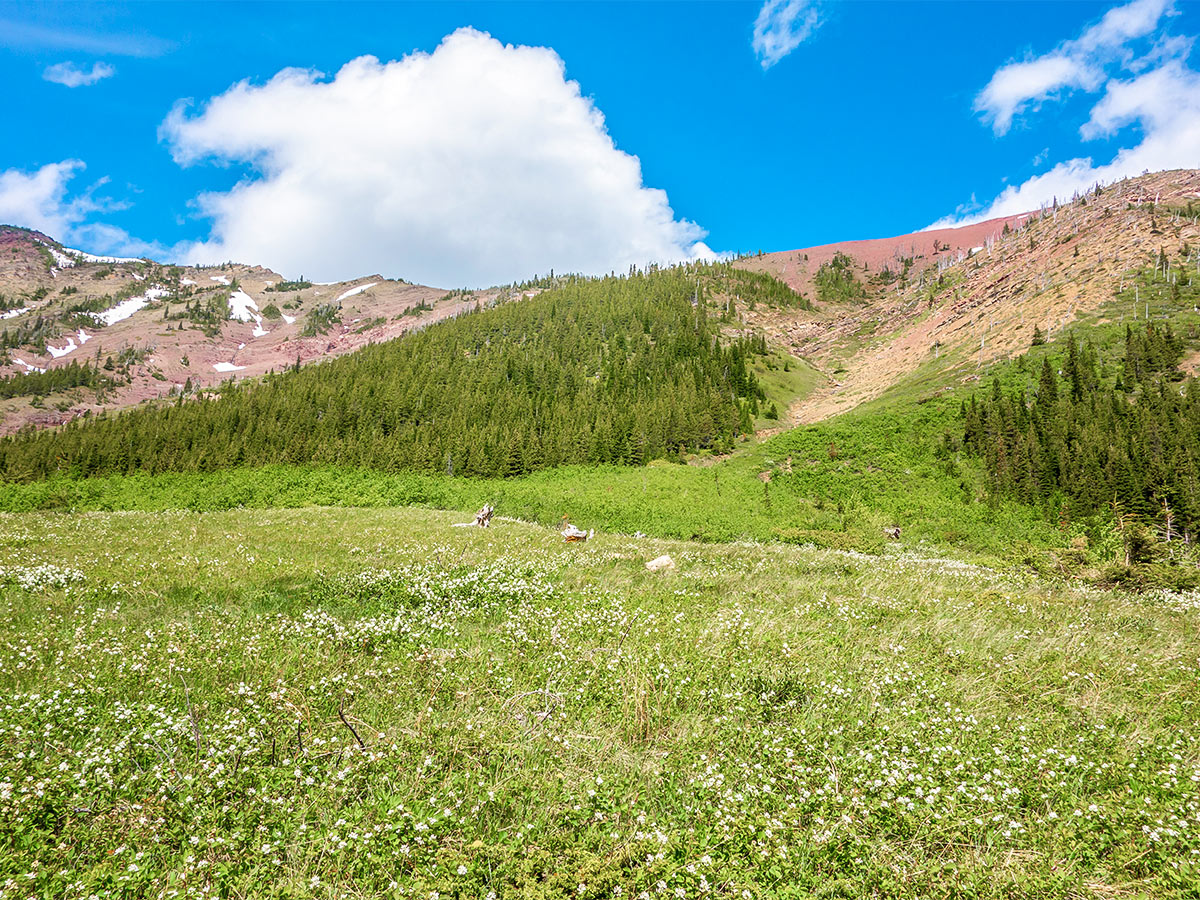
{"points": [[1151, 353], [361, 703], [34, 333], [208, 311], [95, 303], [616, 370], [887, 275], [416, 309], [321, 319], [837, 283], [885, 471], [9, 303], [751, 287], [284, 286]]}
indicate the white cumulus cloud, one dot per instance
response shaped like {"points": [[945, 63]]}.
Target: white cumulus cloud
{"points": [[1154, 97], [42, 200], [72, 76], [1015, 86], [476, 164], [1079, 63], [781, 27], [1124, 23], [39, 199]]}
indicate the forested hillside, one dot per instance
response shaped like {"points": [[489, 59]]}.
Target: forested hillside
{"points": [[1094, 439], [613, 370]]}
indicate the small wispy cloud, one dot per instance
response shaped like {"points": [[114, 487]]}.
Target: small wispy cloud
{"points": [[781, 27], [44, 200], [27, 34], [72, 76]]}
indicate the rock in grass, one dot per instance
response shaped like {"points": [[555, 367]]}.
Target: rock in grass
{"points": [[662, 563]]}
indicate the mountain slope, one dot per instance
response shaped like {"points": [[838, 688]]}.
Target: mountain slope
{"points": [[978, 298], [929, 309], [169, 326], [614, 370]]}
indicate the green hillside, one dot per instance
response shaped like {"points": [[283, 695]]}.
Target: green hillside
{"points": [[599, 371], [1074, 458], [1131, 444]]}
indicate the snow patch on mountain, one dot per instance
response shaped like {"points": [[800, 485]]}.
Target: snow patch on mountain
{"points": [[242, 307], [356, 290], [56, 352], [63, 261], [127, 308], [92, 258]]}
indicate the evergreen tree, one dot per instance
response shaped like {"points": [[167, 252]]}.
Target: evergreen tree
{"points": [[576, 374], [1094, 445]]}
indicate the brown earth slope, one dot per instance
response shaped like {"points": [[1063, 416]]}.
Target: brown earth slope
{"points": [[974, 294], [156, 349]]}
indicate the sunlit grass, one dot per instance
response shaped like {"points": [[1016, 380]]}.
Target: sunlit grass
{"points": [[369, 702]]}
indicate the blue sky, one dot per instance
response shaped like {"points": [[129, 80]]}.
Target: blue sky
{"points": [[841, 120]]}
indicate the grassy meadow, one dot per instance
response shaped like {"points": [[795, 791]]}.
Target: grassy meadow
{"points": [[837, 484], [303, 681], [357, 702]]}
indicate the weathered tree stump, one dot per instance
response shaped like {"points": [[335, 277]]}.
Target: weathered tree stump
{"points": [[571, 534]]}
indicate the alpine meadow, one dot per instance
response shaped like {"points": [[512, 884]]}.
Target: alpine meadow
{"points": [[627, 568]]}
